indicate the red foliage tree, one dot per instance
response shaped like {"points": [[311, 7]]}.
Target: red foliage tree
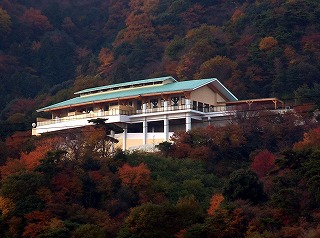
{"points": [[12, 166], [67, 187], [32, 159], [311, 140], [135, 177], [15, 143], [38, 222], [263, 163], [34, 19], [192, 17], [215, 202]]}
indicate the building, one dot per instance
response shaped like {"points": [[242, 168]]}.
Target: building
{"points": [[148, 110]]}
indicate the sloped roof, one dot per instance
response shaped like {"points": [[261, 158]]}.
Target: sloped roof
{"points": [[174, 86], [132, 83]]}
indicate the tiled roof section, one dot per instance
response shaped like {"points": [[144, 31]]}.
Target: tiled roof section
{"points": [[144, 91], [132, 83]]}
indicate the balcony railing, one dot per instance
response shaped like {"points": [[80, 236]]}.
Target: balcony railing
{"points": [[116, 111]]}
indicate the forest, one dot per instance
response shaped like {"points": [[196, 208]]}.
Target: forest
{"points": [[255, 177], [258, 176]]}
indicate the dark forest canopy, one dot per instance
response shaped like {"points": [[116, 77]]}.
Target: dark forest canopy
{"points": [[49, 49]]}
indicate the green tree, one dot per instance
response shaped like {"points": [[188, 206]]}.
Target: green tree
{"points": [[89, 231], [5, 22], [22, 188], [243, 184]]}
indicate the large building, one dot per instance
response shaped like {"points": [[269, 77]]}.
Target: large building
{"points": [[148, 110]]}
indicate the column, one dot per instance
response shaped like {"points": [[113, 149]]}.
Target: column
{"points": [[124, 143], [188, 103], [165, 105], [144, 130], [144, 107], [188, 122], [112, 144], [166, 128]]}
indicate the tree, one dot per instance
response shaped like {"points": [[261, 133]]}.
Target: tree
{"points": [[19, 186], [219, 67], [165, 148], [143, 221], [245, 185], [6, 206], [88, 231], [310, 141], [263, 163], [5, 22], [108, 128], [136, 177], [215, 202], [138, 25], [106, 60], [267, 43], [22, 189], [34, 19]]}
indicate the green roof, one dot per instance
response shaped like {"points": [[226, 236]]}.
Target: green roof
{"points": [[132, 92], [132, 83]]}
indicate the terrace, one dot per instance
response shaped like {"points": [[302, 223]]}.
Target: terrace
{"points": [[80, 113]]}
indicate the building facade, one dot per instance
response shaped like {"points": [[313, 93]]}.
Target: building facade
{"points": [[148, 110]]}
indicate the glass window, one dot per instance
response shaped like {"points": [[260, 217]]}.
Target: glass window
{"points": [[195, 105], [154, 103], [174, 101], [139, 105]]}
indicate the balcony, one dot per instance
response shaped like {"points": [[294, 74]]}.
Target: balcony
{"points": [[125, 110]]}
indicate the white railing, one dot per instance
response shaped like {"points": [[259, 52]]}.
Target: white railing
{"points": [[115, 111]]}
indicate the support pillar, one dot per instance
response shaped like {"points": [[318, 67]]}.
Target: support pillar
{"points": [[188, 103], [112, 144], [144, 130], [188, 122], [166, 128], [124, 143], [165, 105], [144, 107]]}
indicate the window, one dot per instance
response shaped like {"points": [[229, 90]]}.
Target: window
{"points": [[139, 105], [174, 101], [113, 103], [206, 107], [154, 103], [195, 105]]}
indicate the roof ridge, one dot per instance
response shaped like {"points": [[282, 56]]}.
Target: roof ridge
{"points": [[136, 82]]}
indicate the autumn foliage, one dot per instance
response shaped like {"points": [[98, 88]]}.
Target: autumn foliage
{"points": [[263, 163], [311, 140], [135, 176], [215, 202], [70, 188]]}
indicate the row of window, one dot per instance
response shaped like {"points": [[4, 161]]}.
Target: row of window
{"points": [[155, 103]]}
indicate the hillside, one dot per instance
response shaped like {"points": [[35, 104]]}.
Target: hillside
{"points": [[258, 176], [49, 49]]}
